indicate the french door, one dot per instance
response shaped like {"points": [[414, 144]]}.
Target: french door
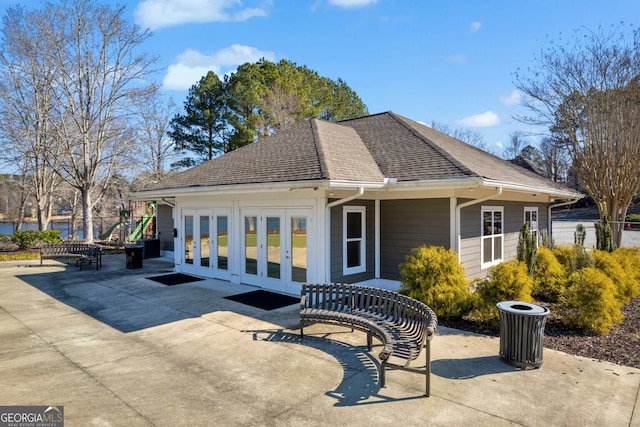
{"points": [[275, 245], [206, 243]]}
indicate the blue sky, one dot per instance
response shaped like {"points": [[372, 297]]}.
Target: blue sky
{"points": [[449, 61]]}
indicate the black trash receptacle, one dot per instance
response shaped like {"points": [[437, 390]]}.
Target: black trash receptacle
{"points": [[134, 256], [522, 333]]}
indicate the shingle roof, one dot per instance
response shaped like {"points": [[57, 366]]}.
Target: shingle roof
{"points": [[368, 149]]}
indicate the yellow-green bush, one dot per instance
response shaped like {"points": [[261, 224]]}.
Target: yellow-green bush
{"points": [[572, 258], [590, 301], [507, 281], [630, 262], [609, 265], [549, 277], [434, 276]]}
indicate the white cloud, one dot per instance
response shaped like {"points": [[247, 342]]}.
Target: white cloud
{"points": [[512, 99], [483, 120], [155, 14], [192, 65], [350, 4], [475, 26]]}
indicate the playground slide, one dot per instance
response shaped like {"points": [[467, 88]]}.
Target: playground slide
{"points": [[138, 232]]}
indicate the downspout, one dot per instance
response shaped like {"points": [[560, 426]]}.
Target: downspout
{"points": [[338, 202], [464, 205], [558, 205], [168, 202]]}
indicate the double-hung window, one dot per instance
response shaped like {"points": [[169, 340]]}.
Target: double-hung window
{"points": [[531, 218], [492, 235], [354, 247]]}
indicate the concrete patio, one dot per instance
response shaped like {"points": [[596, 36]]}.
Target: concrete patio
{"points": [[117, 349]]}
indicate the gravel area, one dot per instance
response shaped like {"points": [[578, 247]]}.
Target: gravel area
{"points": [[620, 346]]}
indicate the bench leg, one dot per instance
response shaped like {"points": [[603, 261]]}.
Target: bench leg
{"points": [[369, 340], [427, 352], [382, 375]]}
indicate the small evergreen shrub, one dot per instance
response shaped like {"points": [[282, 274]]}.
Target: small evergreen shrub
{"points": [[572, 258], [590, 301], [545, 240], [434, 276], [604, 235], [549, 277], [580, 234], [507, 281], [25, 239], [527, 247]]}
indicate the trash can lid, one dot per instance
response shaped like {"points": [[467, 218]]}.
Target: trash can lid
{"points": [[520, 307]]}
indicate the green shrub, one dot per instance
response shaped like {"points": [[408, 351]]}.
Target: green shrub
{"points": [[590, 301], [572, 258], [549, 277], [49, 236], [630, 263], [507, 281], [632, 218], [434, 276], [5, 238], [25, 239]]}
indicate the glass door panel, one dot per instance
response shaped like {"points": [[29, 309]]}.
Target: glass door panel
{"points": [[274, 255], [189, 246], [223, 242], [298, 249], [251, 244], [204, 241]]}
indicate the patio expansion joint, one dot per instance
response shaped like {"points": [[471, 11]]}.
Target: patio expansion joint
{"points": [[79, 367]]}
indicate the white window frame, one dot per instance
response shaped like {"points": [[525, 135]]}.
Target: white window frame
{"points": [[492, 237], [533, 226], [362, 239]]}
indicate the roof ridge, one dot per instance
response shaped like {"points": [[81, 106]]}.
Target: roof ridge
{"points": [[446, 154], [323, 160]]}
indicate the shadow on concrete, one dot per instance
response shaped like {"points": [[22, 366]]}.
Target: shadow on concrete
{"points": [[464, 369], [360, 383], [126, 299]]}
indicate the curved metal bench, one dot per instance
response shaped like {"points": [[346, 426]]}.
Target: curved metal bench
{"points": [[403, 325]]}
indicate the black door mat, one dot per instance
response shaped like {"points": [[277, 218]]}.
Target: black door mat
{"points": [[174, 279], [264, 300]]}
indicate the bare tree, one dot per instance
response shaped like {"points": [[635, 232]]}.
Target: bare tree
{"points": [[154, 119], [587, 92], [466, 135], [100, 80], [27, 93], [516, 144], [554, 159]]}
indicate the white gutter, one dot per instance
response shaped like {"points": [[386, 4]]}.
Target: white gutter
{"points": [[338, 202], [464, 205]]}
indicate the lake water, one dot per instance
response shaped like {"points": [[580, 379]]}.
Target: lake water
{"points": [[64, 226]]}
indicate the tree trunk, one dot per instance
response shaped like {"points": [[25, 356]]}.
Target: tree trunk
{"points": [[87, 216]]}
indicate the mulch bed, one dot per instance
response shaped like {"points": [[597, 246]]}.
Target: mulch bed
{"points": [[621, 346]]}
